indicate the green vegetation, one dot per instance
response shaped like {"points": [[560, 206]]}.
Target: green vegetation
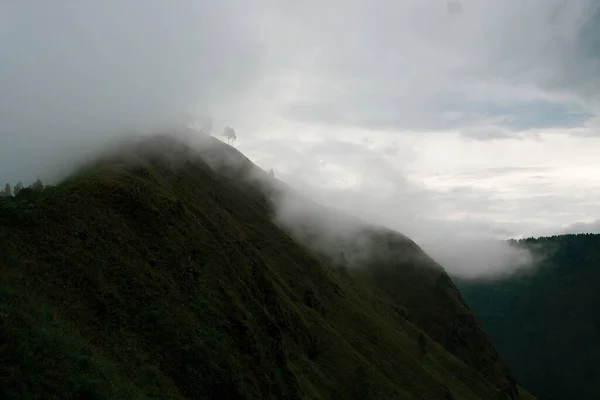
{"points": [[544, 320], [150, 274]]}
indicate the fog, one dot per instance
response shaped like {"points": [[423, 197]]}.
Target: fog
{"points": [[76, 76], [464, 254]]}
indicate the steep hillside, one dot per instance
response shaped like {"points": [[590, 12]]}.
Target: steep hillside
{"points": [[544, 322], [418, 286], [158, 272]]}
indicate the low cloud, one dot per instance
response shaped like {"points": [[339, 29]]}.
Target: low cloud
{"points": [[480, 258], [76, 75], [582, 227], [466, 248]]}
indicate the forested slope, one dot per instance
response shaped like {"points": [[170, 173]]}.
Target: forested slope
{"points": [[545, 321], [158, 271]]}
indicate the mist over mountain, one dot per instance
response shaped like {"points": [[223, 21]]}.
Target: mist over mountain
{"points": [[399, 121], [164, 268], [146, 252]]}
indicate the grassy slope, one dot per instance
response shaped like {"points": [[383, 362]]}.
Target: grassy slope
{"points": [[155, 280], [545, 322], [420, 290]]}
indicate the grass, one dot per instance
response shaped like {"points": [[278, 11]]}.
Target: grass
{"points": [[154, 279]]}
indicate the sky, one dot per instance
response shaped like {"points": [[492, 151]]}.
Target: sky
{"points": [[444, 119]]}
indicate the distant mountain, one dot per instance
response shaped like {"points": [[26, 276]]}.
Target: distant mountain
{"points": [[164, 270], [545, 321]]}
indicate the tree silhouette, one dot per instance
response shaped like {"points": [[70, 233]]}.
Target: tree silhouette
{"points": [[229, 133], [7, 192], [17, 188], [37, 186]]}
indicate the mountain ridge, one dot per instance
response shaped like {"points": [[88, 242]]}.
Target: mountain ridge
{"points": [[159, 271]]}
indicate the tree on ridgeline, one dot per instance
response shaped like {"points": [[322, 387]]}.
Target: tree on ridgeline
{"points": [[17, 188], [37, 186], [7, 192], [229, 133]]}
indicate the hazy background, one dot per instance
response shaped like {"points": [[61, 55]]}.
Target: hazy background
{"points": [[455, 122]]}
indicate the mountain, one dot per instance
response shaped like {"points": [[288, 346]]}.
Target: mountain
{"points": [[544, 320], [171, 268]]}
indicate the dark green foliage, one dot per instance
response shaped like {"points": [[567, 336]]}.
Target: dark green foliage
{"points": [[150, 275], [37, 187], [544, 321]]}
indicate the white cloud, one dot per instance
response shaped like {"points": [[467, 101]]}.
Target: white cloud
{"points": [[527, 184], [455, 197]]}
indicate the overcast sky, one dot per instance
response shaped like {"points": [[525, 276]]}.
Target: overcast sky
{"points": [[449, 118]]}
